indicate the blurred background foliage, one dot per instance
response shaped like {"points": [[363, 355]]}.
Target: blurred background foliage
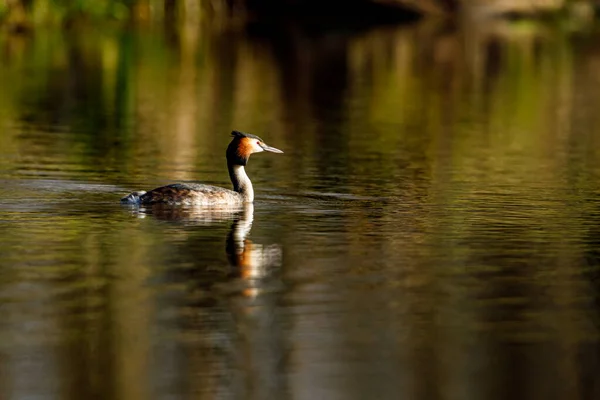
{"points": [[23, 14], [111, 93]]}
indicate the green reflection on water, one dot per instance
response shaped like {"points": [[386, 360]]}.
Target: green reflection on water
{"points": [[435, 209]]}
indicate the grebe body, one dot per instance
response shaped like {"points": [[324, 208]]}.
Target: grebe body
{"points": [[238, 154]]}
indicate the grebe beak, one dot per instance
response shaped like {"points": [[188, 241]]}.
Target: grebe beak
{"points": [[269, 148]]}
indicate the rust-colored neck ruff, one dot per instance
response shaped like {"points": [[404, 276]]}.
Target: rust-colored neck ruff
{"points": [[238, 151]]}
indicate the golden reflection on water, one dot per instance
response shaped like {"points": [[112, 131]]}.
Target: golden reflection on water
{"points": [[430, 232]]}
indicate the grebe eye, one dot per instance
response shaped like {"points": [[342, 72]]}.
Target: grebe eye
{"points": [[258, 142]]}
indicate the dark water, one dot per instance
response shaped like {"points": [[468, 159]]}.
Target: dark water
{"points": [[431, 232]]}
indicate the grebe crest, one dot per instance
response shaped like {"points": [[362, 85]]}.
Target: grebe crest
{"points": [[238, 153]]}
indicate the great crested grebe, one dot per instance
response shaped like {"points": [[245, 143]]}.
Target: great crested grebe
{"points": [[238, 153]]}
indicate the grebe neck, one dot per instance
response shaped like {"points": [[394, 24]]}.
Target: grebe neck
{"points": [[241, 182]]}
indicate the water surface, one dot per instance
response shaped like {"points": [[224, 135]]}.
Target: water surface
{"points": [[431, 231]]}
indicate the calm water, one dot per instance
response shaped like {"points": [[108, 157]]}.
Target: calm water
{"points": [[431, 232]]}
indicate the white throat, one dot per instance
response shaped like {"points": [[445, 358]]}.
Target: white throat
{"points": [[241, 182]]}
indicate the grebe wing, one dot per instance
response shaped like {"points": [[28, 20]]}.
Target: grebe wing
{"points": [[190, 193]]}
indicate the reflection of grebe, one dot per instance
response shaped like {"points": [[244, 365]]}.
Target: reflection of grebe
{"points": [[238, 153], [252, 261]]}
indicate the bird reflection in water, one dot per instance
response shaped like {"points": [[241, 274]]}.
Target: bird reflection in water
{"points": [[236, 342], [250, 262]]}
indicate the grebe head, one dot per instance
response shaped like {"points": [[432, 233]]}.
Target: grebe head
{"points": [[245, 144]]}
